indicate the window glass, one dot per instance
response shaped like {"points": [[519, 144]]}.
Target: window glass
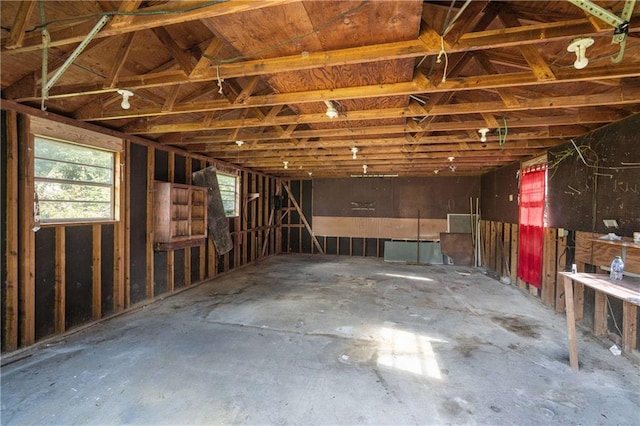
{"points": [[73, 182], [228, 185]]}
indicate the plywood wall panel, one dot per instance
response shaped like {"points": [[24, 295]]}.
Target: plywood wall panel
{"points": [[372, 227]]}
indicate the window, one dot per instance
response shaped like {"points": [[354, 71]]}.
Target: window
{"points": [[74, 182], [228, 185]]}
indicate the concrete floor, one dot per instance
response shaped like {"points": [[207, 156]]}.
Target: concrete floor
{"points": [[327, 340]]}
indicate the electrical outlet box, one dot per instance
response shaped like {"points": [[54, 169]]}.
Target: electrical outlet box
{"points": [[562, 232]]}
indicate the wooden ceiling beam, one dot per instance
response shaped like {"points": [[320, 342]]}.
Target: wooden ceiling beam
{"points": [[17, 34], [538, 65], [184, 59], [426, 143], [122, 21], [628, 95], [119, 60], [169, 13], [534, 121], [260, 151], [211, 51], [368, 133], [481, 40]]}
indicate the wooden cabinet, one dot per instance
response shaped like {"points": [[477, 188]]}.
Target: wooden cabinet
{"points": [[179, 215]]}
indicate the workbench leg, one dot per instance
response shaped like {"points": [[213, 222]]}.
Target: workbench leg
{"points": [[629, 324], [600, 314], [571, 323]]}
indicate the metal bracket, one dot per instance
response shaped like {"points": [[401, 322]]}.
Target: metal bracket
{"points": [[620, 24], [47, 85]]}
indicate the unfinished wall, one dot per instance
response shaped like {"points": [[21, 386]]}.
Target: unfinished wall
{"points": [[67, 275], [579, 197], [601, 181], [355, 216]]}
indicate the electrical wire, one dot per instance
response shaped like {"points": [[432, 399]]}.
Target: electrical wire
{"points": [[121, 13], [613, 316]]}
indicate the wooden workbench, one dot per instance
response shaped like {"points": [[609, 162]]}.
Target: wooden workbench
{"points": [[627, 290]]}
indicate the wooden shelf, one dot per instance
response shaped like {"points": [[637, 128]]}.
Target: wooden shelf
{"points": [[180, 215]]}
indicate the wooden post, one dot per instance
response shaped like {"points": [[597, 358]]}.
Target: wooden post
{"points": [[600, 314], [60, 281], [571, 323], [187, 250], [549, 260], [304, 220], [149, 238], [96, 288], [629, 325], [514, 252], [562, 246], [171, 273], [26, 247], [122, 284], [10, 332]]}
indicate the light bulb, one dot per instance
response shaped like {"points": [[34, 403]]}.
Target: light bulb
{"points": [[354, 151], [579, 46], [126, 94], [364, 168], [483, 134], [286, 164], [332, 112]]}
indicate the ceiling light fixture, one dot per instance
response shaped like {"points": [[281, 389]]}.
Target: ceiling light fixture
{"points": [[364, 168], [451, 158], [332, 112], [239, 143], [579, 46], [286, 164], [354, 151], [436, 171], [126, 94], [483, 134]]}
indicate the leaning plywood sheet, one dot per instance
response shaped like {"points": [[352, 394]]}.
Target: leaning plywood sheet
{"points": [[218, 225]]}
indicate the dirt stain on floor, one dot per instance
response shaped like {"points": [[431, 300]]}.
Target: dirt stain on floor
{"points": [[518, 326]]}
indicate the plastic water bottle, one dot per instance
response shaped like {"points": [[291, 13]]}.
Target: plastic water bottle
{"points": [[617, 268]]}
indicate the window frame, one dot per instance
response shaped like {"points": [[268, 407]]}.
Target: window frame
{"points": [[80, 136], [236, 192]]}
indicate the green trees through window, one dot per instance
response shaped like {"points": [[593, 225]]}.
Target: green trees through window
{"points": [[73, 182], [228, 185]]}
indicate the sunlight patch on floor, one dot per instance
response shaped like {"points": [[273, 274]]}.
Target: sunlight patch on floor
{"points": [[407, 351]]}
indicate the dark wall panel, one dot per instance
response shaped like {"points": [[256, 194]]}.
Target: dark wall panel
{"points": [[161, 166], [331, 245], [107, 277], [343, 245], [79, 273], [582, 195], [45, 281], [371, 247], [180, 171], [358, 246], [497, 188], [178, 263], [159, 272], [429, 197], [294, 241], [195, 264], [138, 211]]}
